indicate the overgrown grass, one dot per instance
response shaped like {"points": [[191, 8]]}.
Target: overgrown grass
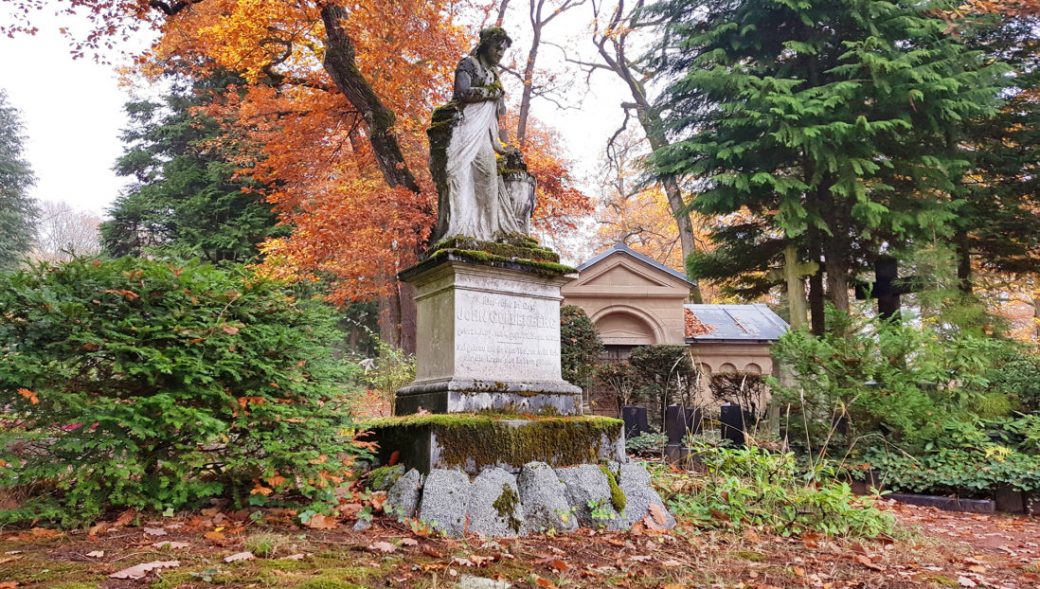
{"points": [[752, 487]]}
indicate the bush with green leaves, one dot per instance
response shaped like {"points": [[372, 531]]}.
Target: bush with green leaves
{"points": [[888, 381], [646, 443], [752, 487], [580, 346], [1018, 377], [664, 375], [138, 384], [956, 471]]}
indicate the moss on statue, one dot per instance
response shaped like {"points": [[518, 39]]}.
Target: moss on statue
{"points": [[617, 495], [506, 504]]}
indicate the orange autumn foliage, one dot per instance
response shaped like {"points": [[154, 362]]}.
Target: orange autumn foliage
{"points": [[316, 156], [1006, 7]]}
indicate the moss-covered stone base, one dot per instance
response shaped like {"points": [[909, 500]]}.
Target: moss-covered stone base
{"points": [[512, 251], [472, 442]]}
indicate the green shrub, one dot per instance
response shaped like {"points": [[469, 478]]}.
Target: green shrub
{"points": [[889, 381], [153, 386], [647, 443], [580, 346], [756, 488], [1018, 377], [664, 375], [959, 472]]}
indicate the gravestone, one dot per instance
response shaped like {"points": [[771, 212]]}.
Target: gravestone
{"points": [[489, 401], [734, 422], [636, 423]]}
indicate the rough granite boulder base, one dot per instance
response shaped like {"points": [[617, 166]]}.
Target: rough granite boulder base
{"points": [[634, 481], [494, 508], [588, 493], [403, 497], [444, 500], [544, 499]]}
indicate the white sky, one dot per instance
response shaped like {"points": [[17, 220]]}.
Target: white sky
{"points": [[72, 110]]}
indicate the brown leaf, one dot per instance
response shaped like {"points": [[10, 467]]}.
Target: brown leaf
{"points": [[239, 556], [322, 522], [141, 571], [431, 551], [660, 515], [126, 517], [154, 532], [560, 566], [96, 554], [540, 582], [98, 528], [8, 584], [384, 547], [44, 533], [409, 542], [865, 561], [230, 329], [171, 545]]}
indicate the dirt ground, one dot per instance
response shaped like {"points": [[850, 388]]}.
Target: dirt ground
{"points": [[216, 549]]}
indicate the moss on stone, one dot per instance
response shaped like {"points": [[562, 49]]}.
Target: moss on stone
{"points": [[473, 441], [384, 477], [506, 504], [512, 246], [617, 495], [479, 257]]}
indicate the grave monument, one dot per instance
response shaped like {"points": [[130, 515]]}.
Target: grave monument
{"points": [[489, 438]]}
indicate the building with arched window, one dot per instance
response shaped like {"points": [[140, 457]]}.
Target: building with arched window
{"points": [[635, 301]]}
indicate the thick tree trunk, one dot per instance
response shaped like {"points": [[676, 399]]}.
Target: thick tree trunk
{"points": [[817, 302], [341, 64], [837, 278], [795, 287], [964, 262]]}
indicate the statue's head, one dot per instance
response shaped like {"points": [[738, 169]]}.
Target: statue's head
{"points": [[493, 44]]}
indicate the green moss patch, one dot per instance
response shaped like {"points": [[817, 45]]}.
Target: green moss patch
{"points": [[537, 266], [506, 504], [473, 441], [384, 477], [617, 496]]}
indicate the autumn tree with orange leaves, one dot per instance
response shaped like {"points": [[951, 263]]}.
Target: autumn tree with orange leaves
{"points": [[337, 96]]}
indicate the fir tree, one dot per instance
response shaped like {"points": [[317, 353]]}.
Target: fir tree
{"points": [[18, 212], [998, 224], [830, 124], [187, 200]]}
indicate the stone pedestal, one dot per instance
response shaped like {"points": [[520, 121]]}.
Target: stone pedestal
{"points": [[487, 339]]}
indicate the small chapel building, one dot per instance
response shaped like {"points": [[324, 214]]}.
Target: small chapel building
{"points": [[633, 300]]}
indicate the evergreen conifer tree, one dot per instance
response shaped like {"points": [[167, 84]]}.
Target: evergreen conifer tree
{"points": [[187, 200], [832, 124], [18, 211]]}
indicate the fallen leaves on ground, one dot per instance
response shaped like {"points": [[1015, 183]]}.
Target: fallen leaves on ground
{"points": [[141, 571], [951, 550]]}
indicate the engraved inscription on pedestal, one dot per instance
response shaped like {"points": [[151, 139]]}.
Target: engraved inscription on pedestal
{"points": [[488, 338], [510, 338]]}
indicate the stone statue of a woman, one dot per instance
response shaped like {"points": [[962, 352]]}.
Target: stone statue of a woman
{"points": [[476, 200]]}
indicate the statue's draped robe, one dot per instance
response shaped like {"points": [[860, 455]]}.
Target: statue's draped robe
{"points": [[476, 193], [473, 181]]}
